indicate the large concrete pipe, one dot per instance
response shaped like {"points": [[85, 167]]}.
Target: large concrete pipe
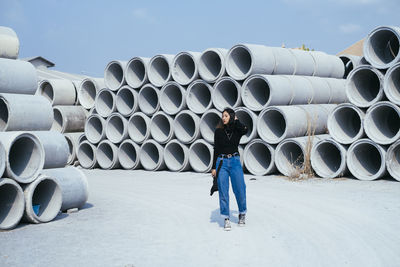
{"points": [[259, 157], [56, 149], [322, 92], [226, 93], [9, 43], [291, 153], [88, 89], [382, 123], [381, 47], [12, 204], [186, 126], [172, 98], [364, 86], [327, 65], [249, 119], [127, 101], [152, 156], [159, 69], [328, 159], [116, 128], [212, 64], [366, 160], [350, 62], [69, 119], [345, 123], [107, 155], [58, 91], [114, 74], [73, 143], [208, 123], [393, 160], [391, 84], [25, 113], [86, 155], [139, 127], [161, 127], [105, 102], [73, 184], [198, 96], [285, 62], [136, 72], [185, 67], [95, 129], [176, 156], [128, 155], [43, 198], [201, 156], [338, 90], [17, 77], [149, 99], [305, 64], [24, 156]]}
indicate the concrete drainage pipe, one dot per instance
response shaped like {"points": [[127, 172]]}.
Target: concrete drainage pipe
{"points": [[305, 64], [393, 160], [95, 129], [201, 156], [186, 127], [12, 204], [114, 74], [226, 93], [58, 91], [285, 62], [136, 72], [127, 101], [159, 70], [391, 84], [208, 124], [56, 149], [17, 77], [128, 155], [107, 155], [161, 127], [172, 98], [185, 67], [198, 96], [327, 65], [212, 64], [249, 119], [152, 156], [73, 140], [350, 62], [139, 127], [259, 157], [87, 92], [9, 43], [149, 99], [116, 128], [105, 103], [338, 90], [86, 155], [69, 119], [322, 92], [176, 156]]}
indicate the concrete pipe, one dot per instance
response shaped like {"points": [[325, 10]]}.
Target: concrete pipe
{"points": [[69, 119], [350, 62], [305, 64], [201, 156], [185, 67], [82, 138], [17, 77], [285, 62], [208, 123], [159, 70], [364, 86], [259, 157], [366, 160], [76, 84], [73, 143], [327, 65], [128, 155], [152, 156], [56, 149], [12, 204], [105, 102], [241, 153], [322, 92], [176, 156], [127, 101], [116, 128], [149, 99], [244, 60], [212, 64], [86, 155], [58, 91], [136, 72], [186, 126], [25, 113], [290, 154], [9, 43], [107, 155], [172, 98], [381, 47], [328, 159], [226, 93], [139, 127], [382, 123], [338, 90], [303, 90], [92, 111], [345, 123], [43, 198], [249, 119], [391, 84], [24, 156], [198, 96], [87, 92], [73, 184], [393, 160], [95, 129], [115, 75], [161, 127]]}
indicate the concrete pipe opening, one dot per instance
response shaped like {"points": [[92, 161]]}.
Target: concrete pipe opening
{"points": [[176, 156], [249, 119], [136, 72], [105, 103], [12, 204], [86, 155], [198, 97], [226, 93], [58, 123], [257, 92], [211, 65], [161, 128], [95, 129], [106, 155], [46, 90], [172, 98], [71, 149], [127, 101], [139, 127], [328, 159], [149, 102], [87, 93], [114, 75], [4, 112], [393, 160], [151, 156], [128, 155], [382, 123], [184, 68], [186, 127], [200, 156], [208, 124], [259, 158], [392, 84], [289, 158], [116, 128], [272, 126], [239, 62], [159, 70]]}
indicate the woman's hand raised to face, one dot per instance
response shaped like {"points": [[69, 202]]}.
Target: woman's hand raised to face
{"points": [[213, 172]]}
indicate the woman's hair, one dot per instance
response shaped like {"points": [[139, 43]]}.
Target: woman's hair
{"points": [[231, 113]]}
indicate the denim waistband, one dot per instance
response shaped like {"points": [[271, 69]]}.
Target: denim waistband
{"points": [[228, 155]]}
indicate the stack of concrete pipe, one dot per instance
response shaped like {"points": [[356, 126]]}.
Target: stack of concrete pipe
{"points": [[35, 186]]}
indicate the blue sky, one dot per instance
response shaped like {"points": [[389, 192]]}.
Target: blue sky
{"points": [[83, 36]]}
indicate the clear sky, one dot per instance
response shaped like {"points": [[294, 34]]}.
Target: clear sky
{"points": [[82, 36]]}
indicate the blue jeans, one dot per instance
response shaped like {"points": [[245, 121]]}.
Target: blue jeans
{"points": [[231, 167]]}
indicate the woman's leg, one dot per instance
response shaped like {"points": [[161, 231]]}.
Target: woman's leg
{"points": [[223, 189], [238, 184]]}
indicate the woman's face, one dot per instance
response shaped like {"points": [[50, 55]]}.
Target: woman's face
{"points": [[225, 118]]}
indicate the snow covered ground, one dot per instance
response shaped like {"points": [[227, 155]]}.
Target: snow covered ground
{"points": [[139, 218]]}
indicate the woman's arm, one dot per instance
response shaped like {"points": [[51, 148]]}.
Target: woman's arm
{"points": [[240, 127]]}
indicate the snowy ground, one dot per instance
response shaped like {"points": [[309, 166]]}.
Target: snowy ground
{"points": [[139, 218]]}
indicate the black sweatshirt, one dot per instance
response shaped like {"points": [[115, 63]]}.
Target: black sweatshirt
{"points": [[226, 140]]}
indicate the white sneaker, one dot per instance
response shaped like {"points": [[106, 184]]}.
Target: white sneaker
{"points": [[242, 218], [227, 225]]}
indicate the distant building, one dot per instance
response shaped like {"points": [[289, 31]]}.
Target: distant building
{"points": [[39, 62]]}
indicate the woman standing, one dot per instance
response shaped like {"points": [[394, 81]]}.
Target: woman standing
{"points": [[226, 163]]}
